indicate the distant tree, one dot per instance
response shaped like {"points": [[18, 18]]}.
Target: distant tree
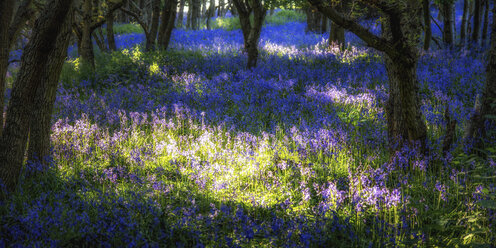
{"points": [[486, 22], [314, 20], [148, 18], [109, 19], [251, 31], [11, 23], [221, 8], [485, 112], [427, 24], [180, 15], [91, 16], [35, 67], [463, 25], [447, 12], [210, 14], [195, 9], [477, 21], [401, 28]]}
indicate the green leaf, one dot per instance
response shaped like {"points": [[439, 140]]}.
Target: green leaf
{"points": [[489, 204]]}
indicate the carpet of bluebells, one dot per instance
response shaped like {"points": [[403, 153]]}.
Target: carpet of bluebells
{"points": [[187, 148]]}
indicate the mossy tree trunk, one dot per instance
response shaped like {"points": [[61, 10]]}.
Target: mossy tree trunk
{"points": [[34, 66], [41, 115]]}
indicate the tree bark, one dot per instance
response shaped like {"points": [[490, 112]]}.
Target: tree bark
{"points": [[100, 40], [110, 31], [87, 55], [195, 14], [476, 132], [314, 23], [447, 12], [33, 63], [221, 11], [336, 35], [40, 123], [168, 23], [477, 21], [463, 26], [6, 12], [189, 14], [323, 25], [401, 36], [486, 22], [251, 33], [427, 24], [210, 14], [151, 35], [180, 15]]}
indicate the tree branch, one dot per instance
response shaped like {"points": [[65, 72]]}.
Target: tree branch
{"points": [[371, 39], [23, 13], [112, 7], [136, 16]]}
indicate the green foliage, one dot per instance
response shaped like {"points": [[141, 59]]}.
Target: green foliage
{"points": [[125, 28], [128, 28], [285, 16], [227, 23], [280, 18]]}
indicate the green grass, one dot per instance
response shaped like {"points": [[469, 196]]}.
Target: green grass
{"points": [[279, 18]]}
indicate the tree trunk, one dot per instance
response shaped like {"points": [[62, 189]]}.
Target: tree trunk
{"points": [[234, 11], [314, 20], [87, 55], [251, 33], [463, 25], [336, 35], [477, 21], [40, 123], [210, 14], [244, 20], [220, 11], [401, 28], [110, 31], [100, 40], [323, 25], [486, 22], [203, 10], [427, 24], [479, 123], [168, 22], [152, 33], [6, 12], [404, 118], [447, 9], [34, 60], [195, 14], [180, 15]]}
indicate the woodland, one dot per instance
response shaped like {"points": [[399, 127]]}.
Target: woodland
{"points": [[247, 123]]}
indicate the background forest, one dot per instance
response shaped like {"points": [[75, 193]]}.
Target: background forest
{"points": [[247, 123]]}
